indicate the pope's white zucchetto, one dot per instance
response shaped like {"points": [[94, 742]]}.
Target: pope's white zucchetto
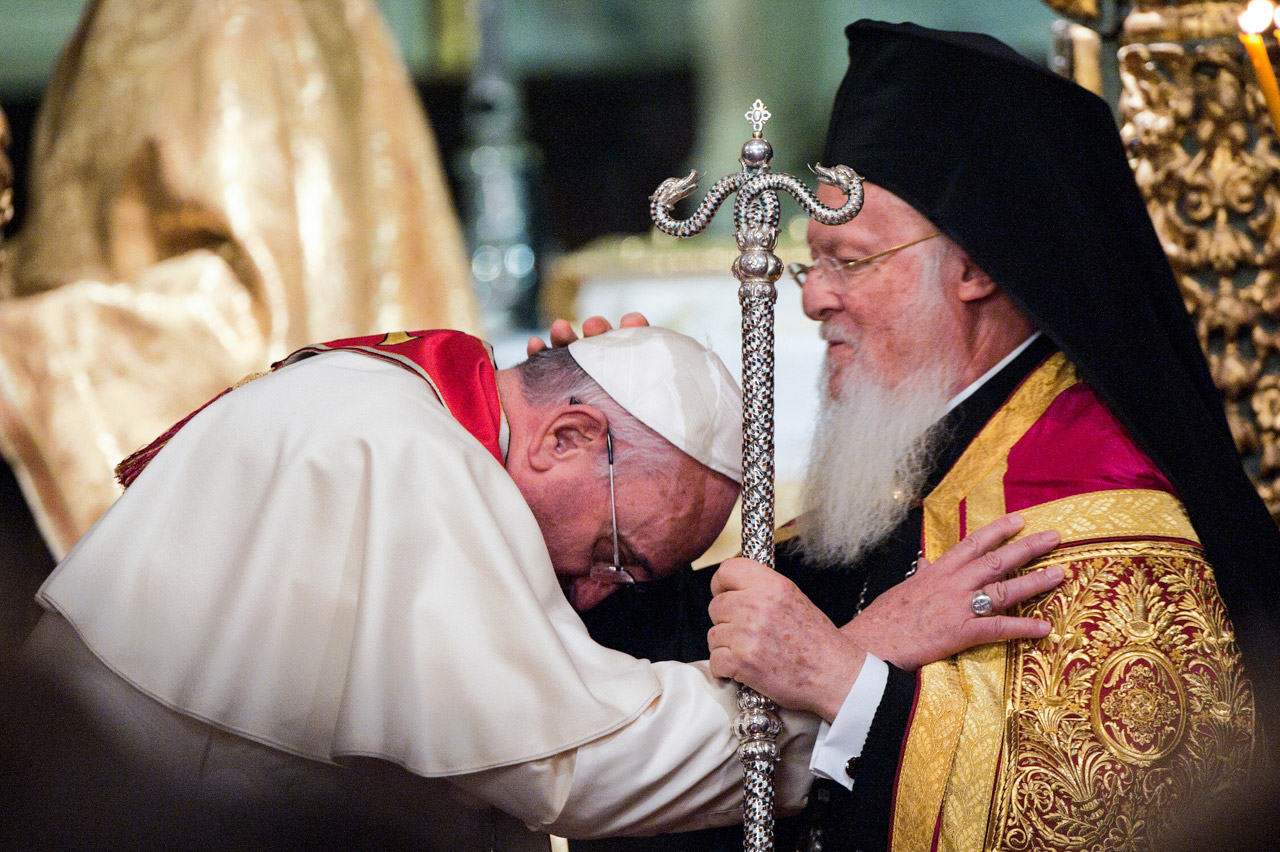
{"points": [[675, 386]]}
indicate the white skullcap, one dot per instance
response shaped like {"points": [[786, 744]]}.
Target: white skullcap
{"points": [[675, 386]]}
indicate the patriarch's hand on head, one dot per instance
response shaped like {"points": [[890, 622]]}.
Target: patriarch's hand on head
{"points": [[930, 616], [562, 334]]}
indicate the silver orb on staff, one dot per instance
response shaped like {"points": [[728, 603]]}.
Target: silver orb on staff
{"points": [[756, 215]]}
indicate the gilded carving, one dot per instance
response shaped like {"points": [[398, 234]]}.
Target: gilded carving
{"points": [[1083, 10], [1207, 162], [1134, 703], [1181, 20], [6, 193]]}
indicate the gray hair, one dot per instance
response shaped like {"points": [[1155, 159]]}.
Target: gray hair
{"points": [[552, 377]]}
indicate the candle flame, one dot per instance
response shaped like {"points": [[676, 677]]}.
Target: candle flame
{"points": [[1256, 17]]}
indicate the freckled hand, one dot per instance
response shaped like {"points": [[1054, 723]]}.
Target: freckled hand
{"points": [[756, 214]]}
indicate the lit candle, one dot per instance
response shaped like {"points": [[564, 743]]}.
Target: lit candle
{"points": [[1253, 21]]}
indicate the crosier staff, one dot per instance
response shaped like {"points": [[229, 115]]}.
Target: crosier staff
{"points": [[757, 268]]}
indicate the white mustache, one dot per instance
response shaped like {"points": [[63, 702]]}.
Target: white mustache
{"points": [[835, 334]]}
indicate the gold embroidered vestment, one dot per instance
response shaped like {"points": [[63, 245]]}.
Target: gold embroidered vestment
{"points": [[1135, 704]]}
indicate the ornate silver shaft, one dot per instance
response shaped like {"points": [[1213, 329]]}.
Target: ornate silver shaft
{"points": [[756, 216], [757, 725], [756, 269]]}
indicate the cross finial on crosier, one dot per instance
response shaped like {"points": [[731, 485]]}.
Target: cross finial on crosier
{"points": [[758, 115]]}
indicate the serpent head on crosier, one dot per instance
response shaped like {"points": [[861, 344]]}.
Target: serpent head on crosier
{"points": [[842, 178], [673, 190]]}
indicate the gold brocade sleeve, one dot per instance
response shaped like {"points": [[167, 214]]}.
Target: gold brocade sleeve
{"points": [[1092, 738], [1134, 708], [214, 185]]}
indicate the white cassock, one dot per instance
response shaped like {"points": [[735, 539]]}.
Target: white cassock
{"points": [[325, 562]]}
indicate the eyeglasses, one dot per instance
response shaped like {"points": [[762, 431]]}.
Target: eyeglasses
{"points": [[614, 573], [827, 266]]}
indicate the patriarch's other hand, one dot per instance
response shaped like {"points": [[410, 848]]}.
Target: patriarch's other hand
{"points": [[562, 334], [768, 635], [930, 615]]}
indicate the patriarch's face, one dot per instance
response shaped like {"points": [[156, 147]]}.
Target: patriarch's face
{"points": [[871, 313]]}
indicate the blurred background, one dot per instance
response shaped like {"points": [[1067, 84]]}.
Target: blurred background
{"points": [[591, 103], [554, 120]]}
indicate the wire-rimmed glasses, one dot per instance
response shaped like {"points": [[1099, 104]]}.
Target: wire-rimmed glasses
{"points": [[614, 573], [827, 266]]}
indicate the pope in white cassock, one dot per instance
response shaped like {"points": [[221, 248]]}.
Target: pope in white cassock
{"points": [[332, 610], [353, 559]]}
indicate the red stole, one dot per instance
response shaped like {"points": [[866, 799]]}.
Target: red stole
{"points": [[457, 367]]}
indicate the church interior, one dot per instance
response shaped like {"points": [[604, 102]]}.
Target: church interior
{"points": [[545, 125], [554, 122]]}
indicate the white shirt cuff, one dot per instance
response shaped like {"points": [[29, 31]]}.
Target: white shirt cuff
{"points": [[843, 739]]}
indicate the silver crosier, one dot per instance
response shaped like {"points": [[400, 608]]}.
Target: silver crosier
{"points": [[755, 218]]}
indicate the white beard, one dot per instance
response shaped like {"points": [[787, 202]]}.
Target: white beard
{"points": [[872, 447]]}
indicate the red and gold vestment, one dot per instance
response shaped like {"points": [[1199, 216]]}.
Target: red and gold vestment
{"points": [[1135, 702]]}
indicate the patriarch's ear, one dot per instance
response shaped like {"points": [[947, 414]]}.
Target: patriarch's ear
{"points": [[974, 283]]}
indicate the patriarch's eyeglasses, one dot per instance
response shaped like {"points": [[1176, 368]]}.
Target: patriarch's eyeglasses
{"points": [[799, 272]]}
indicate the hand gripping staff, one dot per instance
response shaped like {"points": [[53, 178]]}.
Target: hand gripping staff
{"points": [[757, 268]]}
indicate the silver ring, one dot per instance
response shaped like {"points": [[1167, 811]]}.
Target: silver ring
{"points": [[981, 603]]}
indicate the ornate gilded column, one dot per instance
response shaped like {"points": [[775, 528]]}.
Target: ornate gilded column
{"points": [[1207, 161]]}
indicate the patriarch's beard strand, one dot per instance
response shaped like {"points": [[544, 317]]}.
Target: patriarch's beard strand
{"points": [[871, 452]]}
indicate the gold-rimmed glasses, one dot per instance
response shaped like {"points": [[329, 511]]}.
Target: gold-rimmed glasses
{"points": [[829, 266]]}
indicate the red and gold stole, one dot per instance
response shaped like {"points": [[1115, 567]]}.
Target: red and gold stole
{"points": [[1082, 739], [457, 367]]}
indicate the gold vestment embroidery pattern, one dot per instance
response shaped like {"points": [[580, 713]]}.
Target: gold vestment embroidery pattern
{"points": [[1140, 718], [1131, 513], [1135, 701], [952, 735]]}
